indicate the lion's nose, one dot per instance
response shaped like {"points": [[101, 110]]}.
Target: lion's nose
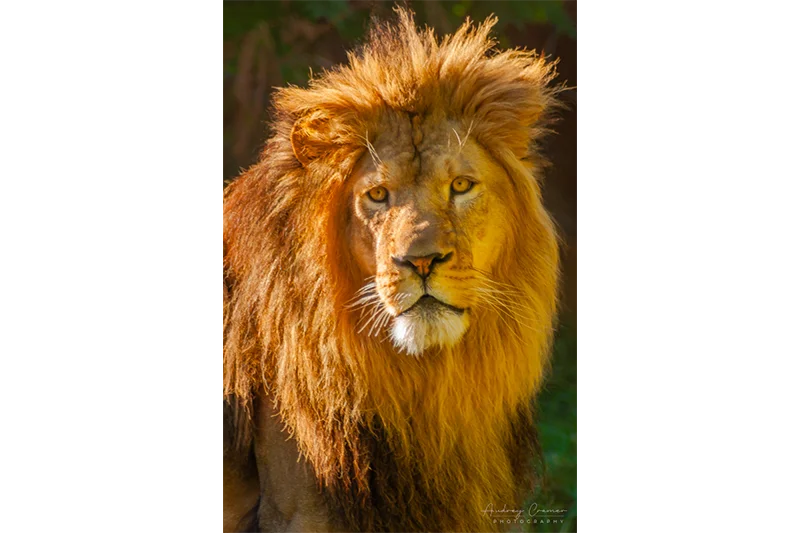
{"points": [[423, 265]]}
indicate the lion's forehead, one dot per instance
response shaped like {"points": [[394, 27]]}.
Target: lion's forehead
{"points": [[418, 151]]}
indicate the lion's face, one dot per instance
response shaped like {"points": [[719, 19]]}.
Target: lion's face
{"points": [[427, 223]]}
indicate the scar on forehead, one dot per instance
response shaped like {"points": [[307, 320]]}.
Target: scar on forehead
{"points": [[416, 131]]}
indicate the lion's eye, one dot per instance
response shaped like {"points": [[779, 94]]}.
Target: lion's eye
{"points": [[378, 194], [461, 185]]}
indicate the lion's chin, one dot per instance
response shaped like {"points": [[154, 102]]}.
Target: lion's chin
{"points": [[427, 325]]}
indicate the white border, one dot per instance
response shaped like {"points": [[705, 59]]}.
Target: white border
{"points": [[111, 214]]}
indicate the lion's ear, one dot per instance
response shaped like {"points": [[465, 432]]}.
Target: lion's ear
{"points": [[310, 138]]}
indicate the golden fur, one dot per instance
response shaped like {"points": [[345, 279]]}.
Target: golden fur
{"points": [[396, 442]]}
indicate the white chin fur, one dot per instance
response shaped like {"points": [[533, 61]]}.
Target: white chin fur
{"points": [[418, 329]]}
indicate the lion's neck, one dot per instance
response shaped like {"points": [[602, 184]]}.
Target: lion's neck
{"points": [[435, 443]]}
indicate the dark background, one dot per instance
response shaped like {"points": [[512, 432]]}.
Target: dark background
{"points": [[271, 44]]}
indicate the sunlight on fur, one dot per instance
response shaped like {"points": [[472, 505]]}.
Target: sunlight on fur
{"points": [[391, 275]]}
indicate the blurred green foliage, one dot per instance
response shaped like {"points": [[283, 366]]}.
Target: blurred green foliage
{"points": [[557, 426], [350, 18]]}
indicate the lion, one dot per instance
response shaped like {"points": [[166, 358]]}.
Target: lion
{"points": [[390, 280]]}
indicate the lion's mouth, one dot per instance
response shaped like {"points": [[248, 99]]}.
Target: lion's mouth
{"points": [[429, 322], [428, 303]]}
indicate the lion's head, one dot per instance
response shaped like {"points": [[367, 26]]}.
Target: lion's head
{"points": [[391, 274], [430, 212]]}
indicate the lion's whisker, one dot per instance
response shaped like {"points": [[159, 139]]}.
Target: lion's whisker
{"points": [[379, 314], [462, 144], [366, 288], [363, 301], [457, 137], [502, 298], [487, 279], [376, 320], [376, 313], [505, 302], [501, 315], [511, 316], [363, 294], [373, 153], [500, 290], [364, 326], [381, 323], [364, 307]]}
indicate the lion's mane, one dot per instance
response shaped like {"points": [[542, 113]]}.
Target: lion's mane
{"points": [[397, 443]]}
